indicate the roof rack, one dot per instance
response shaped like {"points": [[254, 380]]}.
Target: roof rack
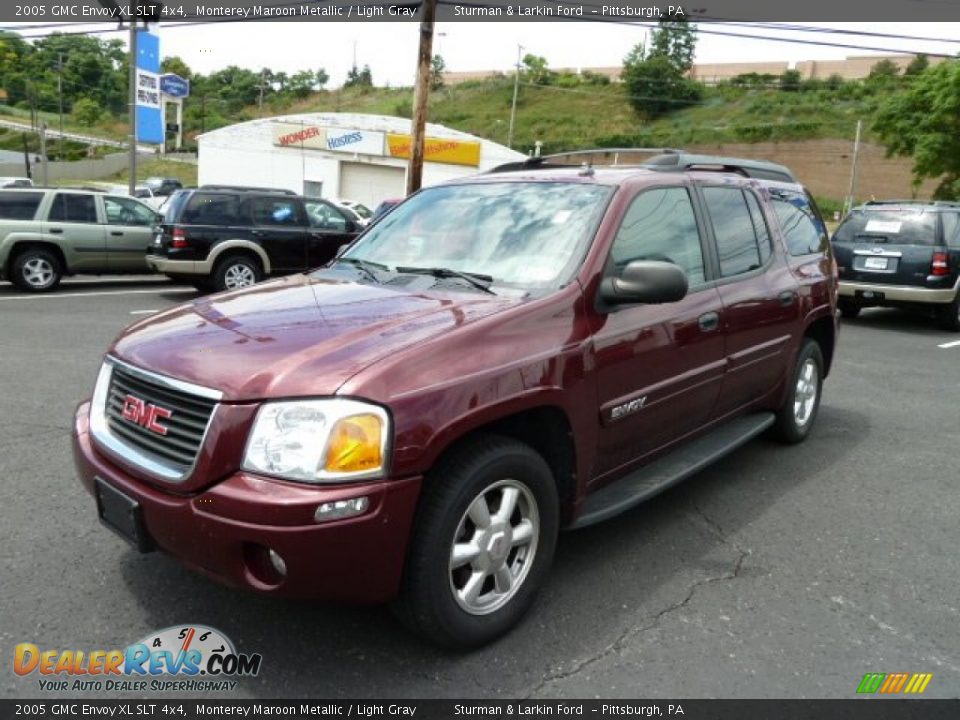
{"points": [[552, 160], [760, 169], [244, 188], [914, 201]]}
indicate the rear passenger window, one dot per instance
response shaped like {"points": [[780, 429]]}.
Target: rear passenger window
{"points": [[275, 211], [207, 209], [733, 227], [800, 225], [19, 205], [759, 226], [73, 207], [951, 229], [660, 225]]}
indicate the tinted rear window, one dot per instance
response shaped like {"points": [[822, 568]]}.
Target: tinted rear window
{"points": [[73, 207], [214, 209], [19, 205], [903, 227]]}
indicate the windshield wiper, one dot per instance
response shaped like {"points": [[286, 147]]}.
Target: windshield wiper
{"points": [[364, 266], [477, 280]]}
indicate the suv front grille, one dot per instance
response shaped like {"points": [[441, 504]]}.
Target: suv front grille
{"points": [[174, 436]]}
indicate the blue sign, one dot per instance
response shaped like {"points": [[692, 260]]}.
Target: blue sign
{"points": [[174, 85], [149, 123]]}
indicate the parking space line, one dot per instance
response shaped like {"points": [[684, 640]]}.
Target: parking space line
{"points": [[955, 343], [58, 296]]}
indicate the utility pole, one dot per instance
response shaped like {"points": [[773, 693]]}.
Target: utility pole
{"points": [[513, 106], [421, 94], [848, 205], [26, 156], [263, 75], [60, 100], [43, 152], [132, 184]]}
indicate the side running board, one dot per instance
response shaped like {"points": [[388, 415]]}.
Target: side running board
{"points": [[680, 463]]}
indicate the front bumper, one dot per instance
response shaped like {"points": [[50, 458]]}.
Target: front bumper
{"points": [[899, 293], [357, 560]]}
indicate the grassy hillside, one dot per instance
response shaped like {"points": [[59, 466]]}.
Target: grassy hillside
{"points": [[601, 116]]}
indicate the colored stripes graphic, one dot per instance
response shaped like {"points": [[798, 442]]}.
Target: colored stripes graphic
{"points": [[894, 683]]}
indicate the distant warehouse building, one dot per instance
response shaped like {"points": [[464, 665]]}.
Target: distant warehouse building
{"points": [[339, 155]]}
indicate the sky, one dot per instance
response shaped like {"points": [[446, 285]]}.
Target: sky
{"points": [[391, 48]]}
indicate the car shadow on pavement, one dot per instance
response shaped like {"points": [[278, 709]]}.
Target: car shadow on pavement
{"points": [[608, 582], [908, 322]]}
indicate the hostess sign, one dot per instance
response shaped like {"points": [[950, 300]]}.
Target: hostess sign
{"points": [[174, 86], [149, 123], [355, 141]]}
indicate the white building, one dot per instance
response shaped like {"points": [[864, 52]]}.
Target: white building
{"points": [[339, 155]]}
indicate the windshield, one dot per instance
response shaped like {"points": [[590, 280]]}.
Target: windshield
{"points": [[524, 235], [909, 226]]}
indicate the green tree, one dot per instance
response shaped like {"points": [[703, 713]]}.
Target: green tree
{"points": [[656, 80], [320, 78], [917, 65], [174, 64], [535, 69], [923, 121], [437, 68], [790, 80], [301, 83], [676, 40], [86, 111], [359, 78]]}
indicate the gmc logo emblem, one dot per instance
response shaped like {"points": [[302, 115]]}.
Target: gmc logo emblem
{"points": [[145, 414]]}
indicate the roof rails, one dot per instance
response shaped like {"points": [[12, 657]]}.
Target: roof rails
{"points": [[664, 159], [553, 160], [914, 201], [244, 188], [760, 169]]}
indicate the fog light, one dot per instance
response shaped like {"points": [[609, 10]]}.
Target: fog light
{"points": [[277, 562], [340, 509]]}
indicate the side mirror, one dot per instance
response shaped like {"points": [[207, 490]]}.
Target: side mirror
{"points": [[645, 281]]}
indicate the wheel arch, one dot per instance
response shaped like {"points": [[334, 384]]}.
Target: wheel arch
{"points": [[823, 331], [239, 247]]}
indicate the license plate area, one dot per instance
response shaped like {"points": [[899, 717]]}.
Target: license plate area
{"points": [[875, 263], [122, 514]]}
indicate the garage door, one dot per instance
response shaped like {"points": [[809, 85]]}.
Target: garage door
{"points": [[371, 184]]}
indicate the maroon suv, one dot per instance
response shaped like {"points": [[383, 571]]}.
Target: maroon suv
{"points": [[497, 359]]}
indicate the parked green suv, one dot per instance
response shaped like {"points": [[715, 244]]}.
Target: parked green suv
{"points": [[48, 233]]}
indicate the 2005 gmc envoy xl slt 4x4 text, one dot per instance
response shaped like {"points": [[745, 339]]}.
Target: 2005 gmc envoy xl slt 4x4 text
{"points": [[498, 358]]}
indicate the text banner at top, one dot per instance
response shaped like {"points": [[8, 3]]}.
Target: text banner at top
{"points": [[639, 12]]}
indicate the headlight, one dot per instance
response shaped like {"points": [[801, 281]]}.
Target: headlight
{"points": [[318, 440]]}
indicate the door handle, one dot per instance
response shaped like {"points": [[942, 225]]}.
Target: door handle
{"points": [[787, 298], [56, 231], [116, 233], [709, 321], [257, 233]]}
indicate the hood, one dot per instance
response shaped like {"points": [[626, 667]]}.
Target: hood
{"points": [[298, 336]]}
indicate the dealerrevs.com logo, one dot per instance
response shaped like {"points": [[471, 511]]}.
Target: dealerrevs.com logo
{"points": [[179, 658]]}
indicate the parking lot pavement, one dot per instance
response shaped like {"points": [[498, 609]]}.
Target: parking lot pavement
{"points": [[779, 572]]}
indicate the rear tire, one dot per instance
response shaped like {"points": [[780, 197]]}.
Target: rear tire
{"points": [[796, 416], [475, 563], [36, 270], [848, 309], [236, 271], [949, 315]]}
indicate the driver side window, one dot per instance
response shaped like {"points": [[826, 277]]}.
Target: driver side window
{"points": [[326, 217], [660, 225]]}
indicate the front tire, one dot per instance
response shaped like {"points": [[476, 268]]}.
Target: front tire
{"points": [[36, 270], [483, 543], [796, 416], [235, 272]]}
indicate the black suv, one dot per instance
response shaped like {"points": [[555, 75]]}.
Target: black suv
{"points": [[222, 238], [163, 186], [901, 253]]}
